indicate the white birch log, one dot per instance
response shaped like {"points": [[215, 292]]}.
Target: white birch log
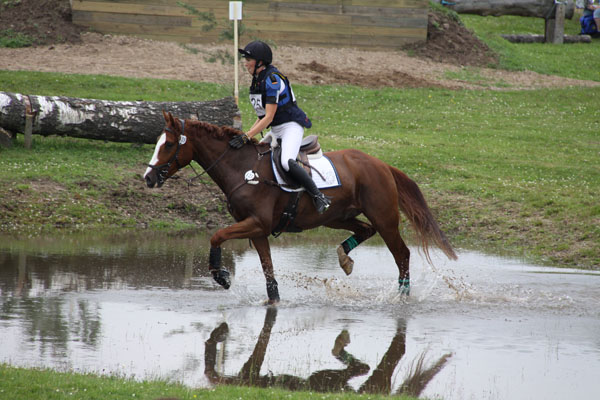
{"points": [[117, 121]]}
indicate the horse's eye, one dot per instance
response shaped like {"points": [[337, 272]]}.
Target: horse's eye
{"points": [[169, 145]]}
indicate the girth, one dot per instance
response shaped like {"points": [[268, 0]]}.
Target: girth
{"points": [[286, 222]]}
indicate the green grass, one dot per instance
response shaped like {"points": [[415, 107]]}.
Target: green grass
{"points": [[577, 60], [27, 384], [10, 38], [516, 154], [109, 87]]}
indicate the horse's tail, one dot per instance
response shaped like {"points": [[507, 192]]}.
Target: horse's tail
{"points": [[413, 205]]}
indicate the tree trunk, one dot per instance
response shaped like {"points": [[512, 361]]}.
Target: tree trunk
{"points": [[541, 38], [116, 121], [526, 8]]}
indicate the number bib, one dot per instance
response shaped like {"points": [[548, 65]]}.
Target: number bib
{"points": [[256, 101]]}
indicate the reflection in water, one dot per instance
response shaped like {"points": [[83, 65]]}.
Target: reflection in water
{"points": [[31, 284], [327, 380], [25, 273], [49, 322]]}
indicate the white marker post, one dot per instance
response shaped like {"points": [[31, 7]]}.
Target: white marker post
{"points": [[235, 14]]}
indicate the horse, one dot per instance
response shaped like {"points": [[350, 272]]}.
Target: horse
{"points": [[369, 187]]}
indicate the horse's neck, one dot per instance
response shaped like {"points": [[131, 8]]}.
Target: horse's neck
{"points": [[225, 165]]}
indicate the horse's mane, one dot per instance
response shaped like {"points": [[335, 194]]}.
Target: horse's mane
{"points": [[217, 132]]}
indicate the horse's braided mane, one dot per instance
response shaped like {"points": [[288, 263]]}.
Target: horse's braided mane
{"points": [[218, 132]]}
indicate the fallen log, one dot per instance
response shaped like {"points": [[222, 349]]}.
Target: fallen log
{"points": [[554, 12], [525, 8], [116, 121], [542, 38]]}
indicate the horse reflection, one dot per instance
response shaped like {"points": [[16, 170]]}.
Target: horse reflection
{"points": [[327, 380]]}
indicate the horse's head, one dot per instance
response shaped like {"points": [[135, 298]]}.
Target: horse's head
{"points": [[170, 154]]}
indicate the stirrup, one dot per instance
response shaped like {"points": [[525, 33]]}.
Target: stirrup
{"points": [[321, 202]]}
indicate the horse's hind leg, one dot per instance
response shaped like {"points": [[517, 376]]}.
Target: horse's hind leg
{"points": [[386, 225], [362, 231], [401, 254]]}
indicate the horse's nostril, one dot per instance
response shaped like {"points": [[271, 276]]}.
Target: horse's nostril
{"points": [[149, 182]]}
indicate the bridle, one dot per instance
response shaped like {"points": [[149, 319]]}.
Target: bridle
{"points": [[163, 169]]}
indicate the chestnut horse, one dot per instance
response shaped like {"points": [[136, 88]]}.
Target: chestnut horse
{"points": [[368, 186]]}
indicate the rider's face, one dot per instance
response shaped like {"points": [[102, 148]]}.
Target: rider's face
{"points": [[250, 63]]}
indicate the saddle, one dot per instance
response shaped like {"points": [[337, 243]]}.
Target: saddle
{"points": [[309, 149]]}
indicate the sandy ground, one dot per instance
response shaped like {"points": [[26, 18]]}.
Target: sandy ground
{"points": [[134, 57]]}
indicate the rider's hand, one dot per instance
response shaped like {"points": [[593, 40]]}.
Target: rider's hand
{"points": [[238, 141]]}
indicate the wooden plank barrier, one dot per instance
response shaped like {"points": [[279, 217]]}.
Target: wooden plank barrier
{"points": [[367, 24]]}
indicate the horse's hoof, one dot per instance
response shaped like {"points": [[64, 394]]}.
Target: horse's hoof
{"points": [[404, 287], [272, 291], [346, 262], [271, 302], [221, 276]]}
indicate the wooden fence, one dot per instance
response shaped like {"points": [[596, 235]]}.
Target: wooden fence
{"points": [[367, 24]]}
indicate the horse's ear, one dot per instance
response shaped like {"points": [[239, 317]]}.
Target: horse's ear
{"points": [[168, 118], [171, 119]]}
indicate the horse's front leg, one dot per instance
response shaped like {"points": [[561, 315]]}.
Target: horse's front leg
{"points": [[264, 252], [244, 229]]}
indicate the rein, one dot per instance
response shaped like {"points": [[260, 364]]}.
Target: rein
{"points": [[199, 175]]}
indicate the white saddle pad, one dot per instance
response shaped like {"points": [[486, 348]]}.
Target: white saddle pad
{"points": [[323, 165]]}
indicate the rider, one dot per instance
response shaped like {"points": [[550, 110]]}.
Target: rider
{"points": [[273, 100], [592, 8]]}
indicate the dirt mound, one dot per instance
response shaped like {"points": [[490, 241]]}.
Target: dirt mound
{"points": [[448, 41], [45, 21]]}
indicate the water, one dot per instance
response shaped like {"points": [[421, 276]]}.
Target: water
{"points": [[480, 328]]}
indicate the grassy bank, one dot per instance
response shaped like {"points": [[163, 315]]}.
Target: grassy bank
{"points": [[568, 60], [27, 384]]}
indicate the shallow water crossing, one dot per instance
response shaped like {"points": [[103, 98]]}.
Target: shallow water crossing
{"points": [[479, 328]]}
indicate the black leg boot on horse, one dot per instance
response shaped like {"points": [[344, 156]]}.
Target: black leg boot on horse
{"points": [[301, 177]]}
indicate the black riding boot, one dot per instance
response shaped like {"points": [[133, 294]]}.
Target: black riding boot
{"points": [[301, 177]]}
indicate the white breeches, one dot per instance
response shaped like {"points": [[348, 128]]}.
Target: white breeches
{"points": [[291, 134]]}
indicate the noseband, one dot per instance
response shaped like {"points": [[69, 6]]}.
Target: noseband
{"points": [[163, 169]]}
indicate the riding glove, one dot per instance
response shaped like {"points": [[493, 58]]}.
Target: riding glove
{"points": [[238, 141]]}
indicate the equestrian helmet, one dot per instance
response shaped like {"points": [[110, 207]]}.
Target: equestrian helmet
{"points": [[259, 51]]}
